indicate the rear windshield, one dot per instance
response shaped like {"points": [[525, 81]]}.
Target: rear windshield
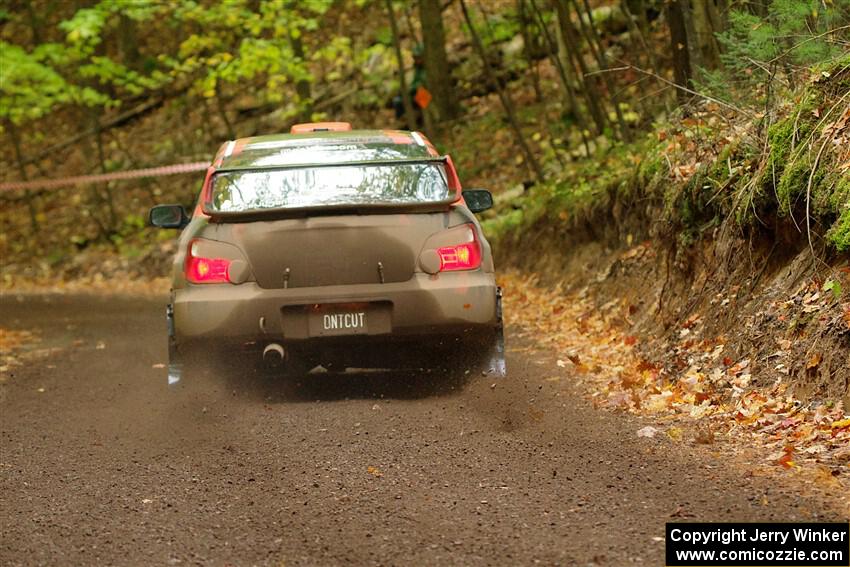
{"points": [[398, 184]]}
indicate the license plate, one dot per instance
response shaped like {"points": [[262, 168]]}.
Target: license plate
{"points": [[325, 321]]}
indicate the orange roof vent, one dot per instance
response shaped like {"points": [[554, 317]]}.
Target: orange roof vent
{"points": [[320, 127]]}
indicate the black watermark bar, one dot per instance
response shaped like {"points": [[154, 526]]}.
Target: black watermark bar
{"points": [[758, 544]]}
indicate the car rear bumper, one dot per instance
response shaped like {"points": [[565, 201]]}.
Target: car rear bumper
{"points": [[446, 304]]}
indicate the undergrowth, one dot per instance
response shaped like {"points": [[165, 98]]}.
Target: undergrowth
{"points": [[708, 168]]}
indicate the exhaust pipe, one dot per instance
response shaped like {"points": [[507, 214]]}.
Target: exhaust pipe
{"points": [[273, 354]]}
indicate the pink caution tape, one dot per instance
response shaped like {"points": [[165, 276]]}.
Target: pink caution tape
{"points": [[101, 177]]}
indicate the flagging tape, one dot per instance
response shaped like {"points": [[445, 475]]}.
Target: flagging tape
{"points": [[102, 177]]}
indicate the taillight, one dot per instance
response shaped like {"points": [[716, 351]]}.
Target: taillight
{"points": [[463, 256], [205, 270]]}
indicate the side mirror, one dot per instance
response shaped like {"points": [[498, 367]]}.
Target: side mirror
{"points": [[478, 200], [168, 216]]}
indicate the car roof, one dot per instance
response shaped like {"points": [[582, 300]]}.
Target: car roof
{"points": [[323, 148]]}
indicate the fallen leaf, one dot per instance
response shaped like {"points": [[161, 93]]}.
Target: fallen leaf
{"points": [[833, 286], [814, 361], [787, 460], [647, 431], [743, 380], [674, 433], [374, 471], [738, 368]]}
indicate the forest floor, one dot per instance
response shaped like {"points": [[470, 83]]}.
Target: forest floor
{"points": [[689, 392], [103, 464]]}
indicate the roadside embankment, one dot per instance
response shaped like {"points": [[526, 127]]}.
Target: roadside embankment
{"points": [[701, 277]]}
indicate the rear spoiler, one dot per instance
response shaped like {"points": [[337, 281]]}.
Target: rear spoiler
{"points": [[452, 181], [327, 210], [436, 159]]}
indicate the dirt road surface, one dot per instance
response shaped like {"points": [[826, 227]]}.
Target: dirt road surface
{"points": [[101, 464]]}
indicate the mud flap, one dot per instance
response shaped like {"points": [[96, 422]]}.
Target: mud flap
{"points": [[495, 358], [175, 364]]}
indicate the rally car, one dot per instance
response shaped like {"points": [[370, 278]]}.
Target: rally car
{"points": [[335, 248]]}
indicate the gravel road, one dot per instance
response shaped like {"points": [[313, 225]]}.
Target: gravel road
{"points": [[102, 464]]}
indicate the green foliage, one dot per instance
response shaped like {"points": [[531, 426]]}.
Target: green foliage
{"points": [[31, 88], [236, 42], [833, 286], [742, 182], [839, 234], [506, 223], [786, 163], [88, 28], [794, 34], [500, 27], [803, 168], [84, 29], [240, 45], [583, 189], [51, 75], [106, 71]]}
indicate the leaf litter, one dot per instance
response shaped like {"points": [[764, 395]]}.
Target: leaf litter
{"points": [[16, 347], [709, 395]]}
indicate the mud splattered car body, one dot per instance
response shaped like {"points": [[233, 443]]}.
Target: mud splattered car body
{"points": [[335, 248]]}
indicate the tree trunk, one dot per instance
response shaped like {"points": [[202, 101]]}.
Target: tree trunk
{"points": [[602, 61], [528, 48], [405, 94], [128, 43], [302, 86], [437, 72], [35, 23], [679, 47], [408, 20], [705, 20], [503, 97], [145, 182], [222, 112], [206, 122], [97, 202], [554, 48], [637, 34], [101, 156], [570, 37], [22, 171], [566, 80]]}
